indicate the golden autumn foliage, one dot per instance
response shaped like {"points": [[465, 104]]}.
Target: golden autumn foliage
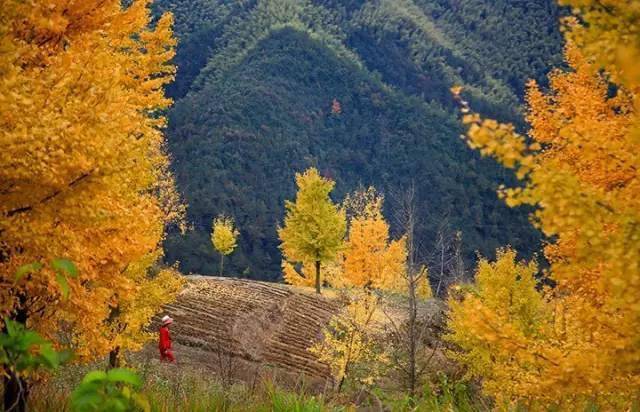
{"points": [[371, 259], [347, 346], [580, 164], [330, 273], [314, 228], [503, 302], [224, 237], [83, 171], [155, 287], [423, 289], [610, 37]]}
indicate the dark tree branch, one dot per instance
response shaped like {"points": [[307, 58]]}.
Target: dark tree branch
{"points": [[71, 184]]}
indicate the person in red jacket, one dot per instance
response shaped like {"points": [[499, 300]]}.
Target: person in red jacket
{"points": [[166, 354]]}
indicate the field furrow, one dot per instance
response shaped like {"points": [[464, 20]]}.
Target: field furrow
{"points": [[259, 323]]}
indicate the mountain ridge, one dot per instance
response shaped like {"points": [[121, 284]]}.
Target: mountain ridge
{"points": [[262, 111]]}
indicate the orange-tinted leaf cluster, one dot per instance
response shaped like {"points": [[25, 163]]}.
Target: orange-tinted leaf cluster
{"points": [[83, 173], [580, 164]]}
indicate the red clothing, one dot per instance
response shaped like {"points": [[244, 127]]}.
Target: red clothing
{"points": [[165, 345]]}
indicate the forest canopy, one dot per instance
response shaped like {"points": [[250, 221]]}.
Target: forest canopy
{"points": [[256, 93]]}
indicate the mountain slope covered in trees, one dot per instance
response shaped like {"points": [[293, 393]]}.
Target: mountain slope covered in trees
{"points": [[359, 89]]}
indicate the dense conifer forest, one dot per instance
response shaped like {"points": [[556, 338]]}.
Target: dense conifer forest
{"points": [[358, 89]]}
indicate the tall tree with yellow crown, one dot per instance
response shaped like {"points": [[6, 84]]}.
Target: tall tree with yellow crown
{"points": [[314, 227], [581, 167], [83, 173], [371, 259]]}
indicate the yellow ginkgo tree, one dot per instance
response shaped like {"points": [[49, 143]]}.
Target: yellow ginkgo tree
{"points": [[83, 172], [371, 259], [581, 166], [314, 227], [303, 275], [503, 301], [347, 345], [224, 237]]}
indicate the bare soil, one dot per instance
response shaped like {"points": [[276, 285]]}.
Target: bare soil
{"points": [[243, 329]]}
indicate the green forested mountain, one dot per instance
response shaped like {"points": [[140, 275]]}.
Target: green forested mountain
{"points": [[256, 95]]}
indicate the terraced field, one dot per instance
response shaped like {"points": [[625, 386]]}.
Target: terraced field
{"points": [[220, 322]]}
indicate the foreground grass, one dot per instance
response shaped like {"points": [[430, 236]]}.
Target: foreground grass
{"points": [[171, 389], [168, 391]]}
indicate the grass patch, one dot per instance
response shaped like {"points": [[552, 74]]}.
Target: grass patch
{"points": [[172, 389]]}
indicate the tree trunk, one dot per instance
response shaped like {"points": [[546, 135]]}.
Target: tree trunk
{"points": [[114, 353], [340, 384], [412, 334], [412, 279], [16, 391], [318, 276], [16, 388], [441, 264], [221, 263], [114, 358]]}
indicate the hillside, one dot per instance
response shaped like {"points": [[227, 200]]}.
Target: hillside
{"points": [[246, 328], [256, 94], [251, 324]]}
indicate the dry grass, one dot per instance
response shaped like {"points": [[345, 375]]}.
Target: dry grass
{"points": [[170, 388]]}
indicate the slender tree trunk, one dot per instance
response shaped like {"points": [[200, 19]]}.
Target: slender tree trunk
{"points": [[441, 263], [16, 391], [347, 361], [458, 256], [412, 279], [114, 358], [318, 276], [221, 263], [411, 283], [412, 333], [114, 353], [340, 384], [16, 388]]}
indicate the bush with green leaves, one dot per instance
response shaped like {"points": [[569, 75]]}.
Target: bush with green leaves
{"points": [[115, 390], [443, 394], [23, 351]]}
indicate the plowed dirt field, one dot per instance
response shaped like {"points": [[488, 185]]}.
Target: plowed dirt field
{"points": [[242, 327]]}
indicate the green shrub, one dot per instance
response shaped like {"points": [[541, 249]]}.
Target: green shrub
{"points": [[113, 391]]}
